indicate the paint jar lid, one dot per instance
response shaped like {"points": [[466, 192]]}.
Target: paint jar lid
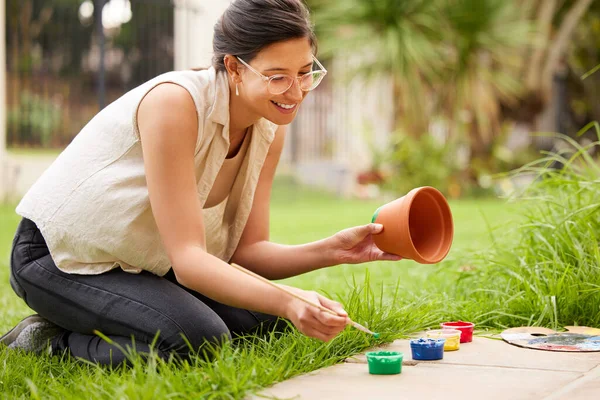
{"points": [[457, 324], [384, 362], [427, 342], [443, 333]]}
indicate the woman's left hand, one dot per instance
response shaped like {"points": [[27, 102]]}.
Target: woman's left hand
{"points": [[355, 245]]}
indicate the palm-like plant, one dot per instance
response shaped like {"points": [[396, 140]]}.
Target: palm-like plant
{"points": [[486, 38], [400, 39], [444, 56]]}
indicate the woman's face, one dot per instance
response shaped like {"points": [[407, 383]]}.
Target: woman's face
{"points": [[291, 57]]}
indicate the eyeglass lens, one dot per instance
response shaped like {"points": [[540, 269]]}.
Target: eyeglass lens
{"points": [[281, 83]]}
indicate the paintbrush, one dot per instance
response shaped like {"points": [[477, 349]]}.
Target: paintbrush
{"points": [[307, 301]]}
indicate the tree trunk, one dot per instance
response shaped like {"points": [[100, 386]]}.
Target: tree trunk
{"points": [[541, 67], [410, 111], [544, 18], [557, 49]]}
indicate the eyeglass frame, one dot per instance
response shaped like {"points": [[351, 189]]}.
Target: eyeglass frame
{"points": [[269, 78]]}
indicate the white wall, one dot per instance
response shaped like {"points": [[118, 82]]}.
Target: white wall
{"points": [[355, 105], [351, 119], [363, 115], [3, 159], [194, 25]]}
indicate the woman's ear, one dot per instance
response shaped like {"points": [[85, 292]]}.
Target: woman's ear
{"points": [[233, 68]]}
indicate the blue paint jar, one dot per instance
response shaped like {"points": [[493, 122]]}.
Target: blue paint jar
{"points": [[427, 349]]}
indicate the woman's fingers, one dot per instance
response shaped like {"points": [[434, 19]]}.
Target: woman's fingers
{"points": [[315, 333], [388, 257], [328, 323], [325, 332], [369, 229], [329, 320], [375, 228], [320, 324], [332, 305]]}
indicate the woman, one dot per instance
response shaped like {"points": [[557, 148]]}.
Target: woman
{"points": [[131, 231]]}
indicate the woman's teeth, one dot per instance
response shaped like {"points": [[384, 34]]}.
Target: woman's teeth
{"points": [[286, 106]]}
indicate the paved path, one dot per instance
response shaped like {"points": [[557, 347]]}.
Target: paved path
{"points": [[484, 369]]}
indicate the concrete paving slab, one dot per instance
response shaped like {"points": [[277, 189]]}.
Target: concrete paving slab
{"points": [[586, 387], [423, 381], [497, 353]]}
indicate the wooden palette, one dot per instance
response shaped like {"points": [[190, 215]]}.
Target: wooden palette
{"points": [[575, 339]]}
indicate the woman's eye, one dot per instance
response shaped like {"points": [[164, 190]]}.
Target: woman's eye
{"points": [[278, 78]]}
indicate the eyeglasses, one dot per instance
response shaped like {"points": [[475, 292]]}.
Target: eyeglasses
{"points": [[280, 83]]}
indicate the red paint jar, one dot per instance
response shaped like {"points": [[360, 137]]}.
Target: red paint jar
{"points": [[465, 327]]}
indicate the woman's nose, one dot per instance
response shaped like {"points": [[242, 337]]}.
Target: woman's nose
{"points": [[294, 92]]}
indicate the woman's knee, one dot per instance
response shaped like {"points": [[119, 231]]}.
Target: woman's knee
{"points": [[196, 335]]}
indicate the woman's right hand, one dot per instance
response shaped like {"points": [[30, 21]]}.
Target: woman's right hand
{"points": [[313, 322]]}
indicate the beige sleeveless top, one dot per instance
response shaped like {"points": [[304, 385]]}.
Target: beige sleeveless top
{"points": [[92, 204]]}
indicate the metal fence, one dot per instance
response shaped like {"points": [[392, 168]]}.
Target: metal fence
{"points": [[341, 121], [309, 135], [67, 59]]}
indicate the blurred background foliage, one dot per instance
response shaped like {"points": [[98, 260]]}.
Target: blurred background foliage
{"points": [[490, 72], [472, 80]]}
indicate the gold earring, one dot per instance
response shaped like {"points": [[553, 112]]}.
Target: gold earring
{"points": [[237, 92]]}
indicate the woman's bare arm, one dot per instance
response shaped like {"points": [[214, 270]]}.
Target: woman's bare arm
{"points": [[256, 252], [168, 127]]}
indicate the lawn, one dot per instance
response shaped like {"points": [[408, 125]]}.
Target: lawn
{"points": [[33, 152], [511, 264], [298, 215]]}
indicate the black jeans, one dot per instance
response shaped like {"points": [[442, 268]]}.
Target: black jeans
{"points": [[121, 305]]}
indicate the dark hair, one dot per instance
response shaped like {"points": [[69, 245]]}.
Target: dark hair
{"points": [[247, 26]]}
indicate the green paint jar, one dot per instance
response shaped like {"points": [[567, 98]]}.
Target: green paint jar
{"points": [[384, 362]]}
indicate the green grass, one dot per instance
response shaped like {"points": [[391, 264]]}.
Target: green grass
{"points": [[533, 261], [298, 215], [33, 152], [549, 274]]}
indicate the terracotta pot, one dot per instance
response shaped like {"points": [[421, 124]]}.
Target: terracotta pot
{"points": [[417, 226]]}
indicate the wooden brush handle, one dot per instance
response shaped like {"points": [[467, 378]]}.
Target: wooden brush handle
{"points": [[307, 301], [283, 289]]}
